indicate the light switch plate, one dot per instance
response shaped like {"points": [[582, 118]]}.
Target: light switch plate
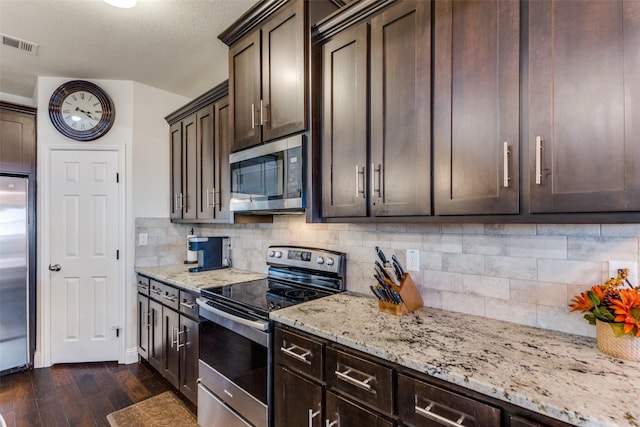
{"points": [[413, 260], [631, 265], [143, 239]]}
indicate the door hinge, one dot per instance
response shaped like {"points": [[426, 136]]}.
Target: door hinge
{"points": [[117, 253], [117, 177]]}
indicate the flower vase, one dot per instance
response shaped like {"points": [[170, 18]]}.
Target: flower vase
{"points": [[626, 346]]}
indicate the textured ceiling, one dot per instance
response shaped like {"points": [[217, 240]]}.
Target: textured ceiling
{"points": [[168, 44]]}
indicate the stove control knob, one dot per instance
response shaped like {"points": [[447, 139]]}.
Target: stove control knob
{"points": [[278, 306], [320, 260], [271, 305], [278, 254], [271, 254], [330, 261]]}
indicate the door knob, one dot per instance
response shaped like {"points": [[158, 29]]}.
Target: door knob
{"points": [[55, 267]]}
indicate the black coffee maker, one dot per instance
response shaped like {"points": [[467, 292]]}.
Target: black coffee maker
{"points": [[213, 253]]}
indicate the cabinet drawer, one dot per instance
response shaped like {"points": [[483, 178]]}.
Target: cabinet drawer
{"points": [[363, 379], [188, 304], [422, 404], [165, 294], [143, 285], [300, 353]]}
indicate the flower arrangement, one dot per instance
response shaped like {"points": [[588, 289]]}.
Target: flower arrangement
{"points": [[615, 302]]}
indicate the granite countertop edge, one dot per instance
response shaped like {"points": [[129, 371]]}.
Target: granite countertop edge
{"points": [[546, 365]]}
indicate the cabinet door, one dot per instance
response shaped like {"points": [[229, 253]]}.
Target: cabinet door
{"points": [[144, 324], [155, 335], [401, 110], [476, 107], [189, 166], [584, 104], [344, 124], [283, 73], [244, 87], [298, 402], [18, 136], [344, 413], [206, 166], [222, 150], [175, 138], [171, 358], [188, 343]]}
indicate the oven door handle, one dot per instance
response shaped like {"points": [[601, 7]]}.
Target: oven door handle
{"points": [[255, 324]]}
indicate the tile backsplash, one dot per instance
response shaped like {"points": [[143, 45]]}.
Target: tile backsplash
{"points": [[521, 273]]}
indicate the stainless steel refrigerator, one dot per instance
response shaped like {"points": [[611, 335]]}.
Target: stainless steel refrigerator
{"points": [[15, 282]]}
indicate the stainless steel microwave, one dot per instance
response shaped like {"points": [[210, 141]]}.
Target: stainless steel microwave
{"points": [[269, 177]]}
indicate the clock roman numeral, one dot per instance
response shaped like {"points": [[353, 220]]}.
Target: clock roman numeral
{"points": [[82, 95]]}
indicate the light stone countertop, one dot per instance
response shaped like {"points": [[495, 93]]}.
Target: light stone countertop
{"points": [[559, 375], [177, 275]]}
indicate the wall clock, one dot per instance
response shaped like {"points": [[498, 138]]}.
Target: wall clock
{"points": [[81, 110]]}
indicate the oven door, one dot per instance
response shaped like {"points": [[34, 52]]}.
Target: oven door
{"points": [[233, 367]]}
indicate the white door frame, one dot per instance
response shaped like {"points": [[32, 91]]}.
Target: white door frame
{"points": [[44, 248]]}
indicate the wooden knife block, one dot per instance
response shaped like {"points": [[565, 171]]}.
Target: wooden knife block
{"points": [[411, 298]]}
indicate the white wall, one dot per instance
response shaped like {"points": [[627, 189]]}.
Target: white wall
{"points": [[141, 133]]}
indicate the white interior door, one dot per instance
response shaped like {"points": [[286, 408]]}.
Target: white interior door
{"points": [[84, 243]]}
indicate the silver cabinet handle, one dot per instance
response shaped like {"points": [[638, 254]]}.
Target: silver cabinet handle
{"points": [[217, 198], [298, 356], [55, 267], [538, 160], [336, 422], [174, 336], [156, 291], [148, 316], [179, 344], [189, 306], [312, 415], [505, 159], [426, 413], [344, 376], [375, 170], [358, 173], [253, 116], [208, 203], [262, 119], [169, 297], [180, 201]]}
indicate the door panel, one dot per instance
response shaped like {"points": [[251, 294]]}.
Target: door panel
{"points": [[296, 400], [190, 167], [344, 124], [84, 240], [401, 110], [206, 164], [222, 150], [244, 85], [283, 73], [176, 170], [583, 101], [476, 105], [155, 335]]}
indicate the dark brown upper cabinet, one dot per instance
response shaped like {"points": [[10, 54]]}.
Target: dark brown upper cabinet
{"points": [[267, 79], [199, 140], [584, 106], [476, 107], [17, 139], [376, 147]]}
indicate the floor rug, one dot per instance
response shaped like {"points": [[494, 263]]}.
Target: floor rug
{"points": [[162, 410]]}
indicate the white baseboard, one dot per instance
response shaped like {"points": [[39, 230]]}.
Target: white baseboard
{"points": [[131, 356], [37, 360]]}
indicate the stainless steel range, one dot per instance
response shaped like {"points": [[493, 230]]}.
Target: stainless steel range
{"points": [[235, 385]]}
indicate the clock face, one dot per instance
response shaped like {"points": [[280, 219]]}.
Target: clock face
{"points": [[81, 110]]}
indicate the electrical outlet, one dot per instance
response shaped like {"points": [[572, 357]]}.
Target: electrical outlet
{"points": [[632, 266], [143, 239], [413, 260]]}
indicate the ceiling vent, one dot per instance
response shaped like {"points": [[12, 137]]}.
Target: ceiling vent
{"points": [[22, 45]]}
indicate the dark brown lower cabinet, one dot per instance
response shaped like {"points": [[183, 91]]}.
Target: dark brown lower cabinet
{"points": [[344, 413], [155, 335], [143, 326], [299, 401], [188, 348], [171, 359]]}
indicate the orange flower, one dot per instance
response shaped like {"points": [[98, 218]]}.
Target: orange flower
{"points": [[583, 303], [627, 310]]}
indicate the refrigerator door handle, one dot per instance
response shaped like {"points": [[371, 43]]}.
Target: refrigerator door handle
{"points": [[55, 267]]}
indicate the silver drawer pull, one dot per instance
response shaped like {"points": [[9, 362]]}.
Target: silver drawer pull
{"points": [[189, 306], [344, 376], [335, 423], [426, 413], [156, 291], [298, 356], [228, 393], [170, 298]]}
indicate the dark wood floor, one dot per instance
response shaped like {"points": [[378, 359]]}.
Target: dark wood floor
{"points": [[77, 394]]}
